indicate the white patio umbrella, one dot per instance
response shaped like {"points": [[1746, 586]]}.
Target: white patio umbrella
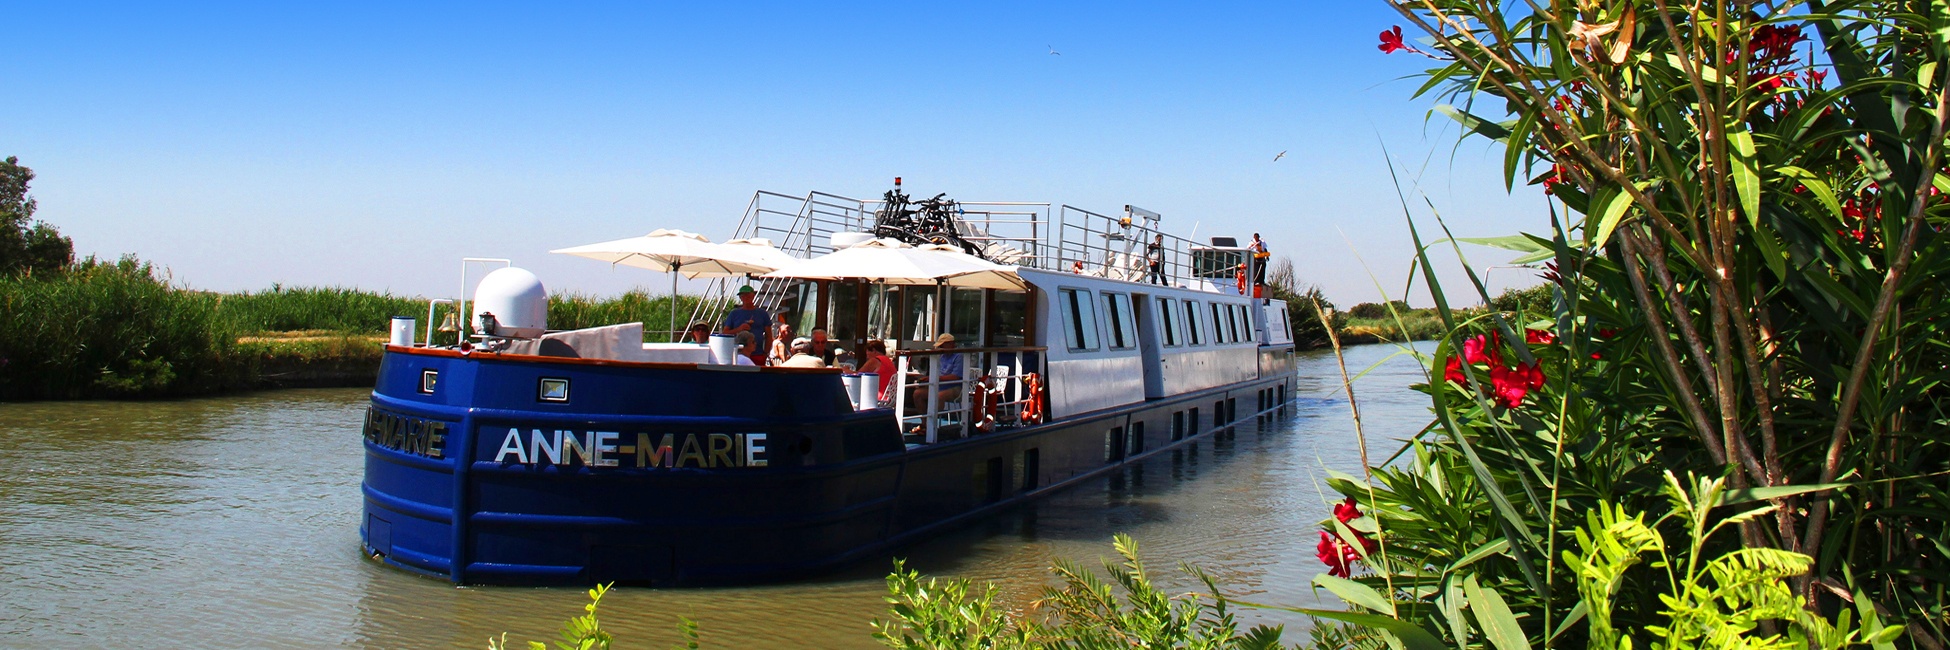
{"points": [[673, 252], [889, 261], [756, 252]]}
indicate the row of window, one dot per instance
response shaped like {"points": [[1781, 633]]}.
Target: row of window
{"points": [[1183, 322]]}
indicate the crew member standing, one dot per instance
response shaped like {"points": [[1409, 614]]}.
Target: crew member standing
{"points": [[1261, 259], [748, 317], [1154, 255]]}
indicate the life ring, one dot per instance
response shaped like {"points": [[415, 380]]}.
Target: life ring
{"points": [[1242, 279], [1032, 411], [981, 406]]}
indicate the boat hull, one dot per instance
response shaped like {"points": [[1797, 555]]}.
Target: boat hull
{"points": [[480, 481]]}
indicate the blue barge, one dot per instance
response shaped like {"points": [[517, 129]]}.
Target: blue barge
{"points": [[593, 461]]}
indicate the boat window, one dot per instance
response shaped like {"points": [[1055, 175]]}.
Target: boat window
{"points": [[1239, 323], [1219, 325], [1168, 323], [1079, 319], [965, 315], [917, 319], [1009, 323], [1123, 334], [1286, 323], [1194, 335]]}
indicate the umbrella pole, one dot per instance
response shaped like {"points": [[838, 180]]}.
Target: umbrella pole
{"points": [[673, 301]]}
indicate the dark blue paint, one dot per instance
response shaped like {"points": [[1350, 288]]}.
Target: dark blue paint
{"points": [[839, 486]]}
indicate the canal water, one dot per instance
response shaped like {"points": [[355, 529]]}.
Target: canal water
{"points": [[232, 523]]}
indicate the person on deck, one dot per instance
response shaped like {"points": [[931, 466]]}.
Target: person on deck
{"points": [[877, 362], [699, 333], [781, 345], [748, 317], [1260, 260], [747, 350], [823, 348], [948, 368], [1154, 257], [802, 356]]}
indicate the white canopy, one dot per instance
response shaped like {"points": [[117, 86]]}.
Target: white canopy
{"points": [[677, 251], [671, 250], [889, 261], [756, 252]]}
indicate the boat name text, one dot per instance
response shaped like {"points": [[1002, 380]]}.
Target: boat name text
{"points": [[608, 449], [406, 434]]}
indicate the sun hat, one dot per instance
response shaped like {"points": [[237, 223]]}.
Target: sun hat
{"points": [[801, 341], [943, 338], [747, 289]]}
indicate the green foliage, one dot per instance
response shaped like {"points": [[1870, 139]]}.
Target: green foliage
{"points": [[27, 246], [1537, 300], [569, 311], [108, 330], [934, 613], [582, 632], [1377, 311], [1087, 612], [1749, 259], [331, 309], [1303, 306]]}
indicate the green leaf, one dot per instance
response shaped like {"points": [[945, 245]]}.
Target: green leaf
{"points": [[1577, 614], [1816, 187], [1519, 243], [1473, 123], [1356, 593], [1494, 616], [1769, 493], [1746, 172], [1614, 208], [1501, 545], [1412, 637]]}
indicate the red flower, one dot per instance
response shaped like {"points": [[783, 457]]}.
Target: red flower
{"points": [[1510, 385], [1480, 349], [1338, 557], [1545, 337], [1347, 511], [1391, 41], [1454, 371]]}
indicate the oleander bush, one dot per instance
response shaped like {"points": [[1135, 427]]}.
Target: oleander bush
{"points": [[1746, 271]]}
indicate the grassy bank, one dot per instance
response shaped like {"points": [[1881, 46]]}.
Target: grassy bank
{"points": [[119, 330]]}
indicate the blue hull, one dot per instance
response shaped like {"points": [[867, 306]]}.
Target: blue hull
{"points": [[476, 473]]}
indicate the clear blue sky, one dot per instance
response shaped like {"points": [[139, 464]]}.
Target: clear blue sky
{"points": [[374, 145]]}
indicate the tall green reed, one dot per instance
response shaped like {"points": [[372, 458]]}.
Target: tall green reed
{"points": [[108, 329]]}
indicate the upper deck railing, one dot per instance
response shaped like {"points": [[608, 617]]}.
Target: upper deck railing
{"points": [[1034, 235]]}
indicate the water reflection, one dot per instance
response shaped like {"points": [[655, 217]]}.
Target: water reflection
{"points": [[232, 522]]}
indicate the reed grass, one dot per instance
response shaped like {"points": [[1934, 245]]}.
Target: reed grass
{"points": [[121, 330], [106, 329], [332, 309]]}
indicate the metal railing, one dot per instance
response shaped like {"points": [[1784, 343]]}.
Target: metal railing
{"points": [[1034, 235], [931, 408], [1099, 245]]}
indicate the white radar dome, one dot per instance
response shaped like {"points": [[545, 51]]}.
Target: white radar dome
{"points": [[517, 301]]}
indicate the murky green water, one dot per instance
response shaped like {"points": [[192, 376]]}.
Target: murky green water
{"points": [[233, 523]]}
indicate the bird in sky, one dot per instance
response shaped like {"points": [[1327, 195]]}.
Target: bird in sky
{"points": [[1277, 158], [1053, 52]]}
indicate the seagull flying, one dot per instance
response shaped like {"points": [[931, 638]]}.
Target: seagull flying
{"points": [[1278, 157], [1053, 52]]}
